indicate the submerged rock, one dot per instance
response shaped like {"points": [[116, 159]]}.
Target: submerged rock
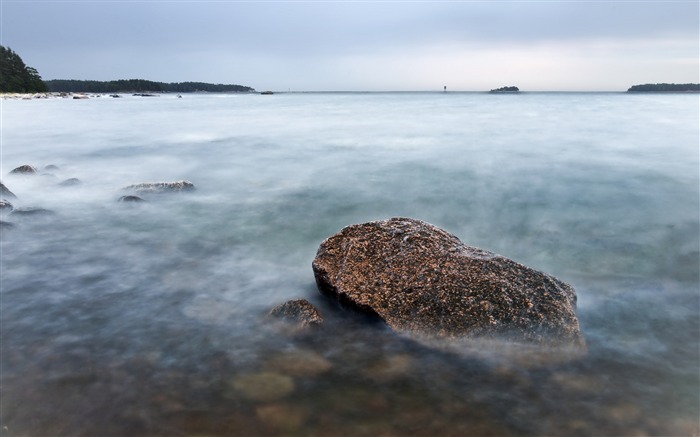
{"points": [[131, 199], [6, 206], [263, 386], [299, 312], [425, 282], [32, 211], [5, 192], [6, 225], [161, 187], [299, 363], [25, 169], [70, 182]]}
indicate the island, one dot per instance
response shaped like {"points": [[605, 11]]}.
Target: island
{"points": [[506, 89], [665, 88], [139, 86]]}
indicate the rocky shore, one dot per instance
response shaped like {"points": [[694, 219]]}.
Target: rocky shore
{"points": [[32, 96]]}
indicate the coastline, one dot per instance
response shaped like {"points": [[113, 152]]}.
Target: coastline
{"points": [[32, 96]]}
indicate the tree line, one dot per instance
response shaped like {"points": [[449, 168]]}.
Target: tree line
{"points": [[16, 77], [139, 86], [665, 87]]}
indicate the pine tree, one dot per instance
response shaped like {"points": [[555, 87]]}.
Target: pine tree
{"points": [[16, 77]]}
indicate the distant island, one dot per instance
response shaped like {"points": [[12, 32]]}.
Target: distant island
{"points": [[665, 88], [506, 89], [139, 86]]}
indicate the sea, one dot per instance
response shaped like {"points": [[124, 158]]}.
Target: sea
{"points": [[151, 318]]}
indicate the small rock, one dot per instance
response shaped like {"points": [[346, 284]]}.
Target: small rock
{"points": [[5, 206], [24, 169], [301, 363], [32, 211], [51, 167], [131, 199], [161, 187], [577, 382], [300, 312], [390, 368], [6, 225], [281, 417], [263, 386], [70, 182], [5, 192]]}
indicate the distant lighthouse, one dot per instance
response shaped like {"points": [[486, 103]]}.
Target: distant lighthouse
{"points": [[444, 88]]}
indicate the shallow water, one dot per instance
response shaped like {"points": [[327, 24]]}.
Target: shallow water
{"points": [[149, 318]]}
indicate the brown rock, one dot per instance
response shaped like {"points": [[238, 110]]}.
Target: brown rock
{"points": [[300, 312], [263, 386], [301, 363], [24, 169], [425, 282]]}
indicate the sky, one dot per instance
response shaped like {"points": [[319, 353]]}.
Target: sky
{"points": [[361, 45]]}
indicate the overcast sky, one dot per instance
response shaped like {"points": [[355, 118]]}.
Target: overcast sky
{"points": [[361, 45]]}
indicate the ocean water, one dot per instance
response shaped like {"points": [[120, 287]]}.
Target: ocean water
{"points": [[124, 319]]}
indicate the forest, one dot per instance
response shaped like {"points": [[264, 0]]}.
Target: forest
{"points": [[665, 87], [139, 86], [16, 77]]}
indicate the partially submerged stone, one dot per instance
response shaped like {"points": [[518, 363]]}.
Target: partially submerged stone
{"points": [[425, 282], [32, 211], [5, 192], [299, 363], [24, 169], [131, 198], [299, 312], [5, 205], [71, 182], [161, 187], [263, 386]]}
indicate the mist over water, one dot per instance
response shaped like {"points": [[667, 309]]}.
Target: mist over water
{"points": [[148, 318]]}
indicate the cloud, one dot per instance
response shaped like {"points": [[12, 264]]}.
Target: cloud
{"points": [[350, 45]]}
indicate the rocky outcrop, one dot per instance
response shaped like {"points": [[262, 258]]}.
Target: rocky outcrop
{"points": [[5, 205], [25, 170], [425, 282], [5, 192], [161, 187], [299, 312]]}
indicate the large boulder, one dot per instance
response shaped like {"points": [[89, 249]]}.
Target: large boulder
{"points": [[425, 282]]}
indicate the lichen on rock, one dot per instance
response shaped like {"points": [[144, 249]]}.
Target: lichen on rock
{"points": [[299, 312], [423, 281]]}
